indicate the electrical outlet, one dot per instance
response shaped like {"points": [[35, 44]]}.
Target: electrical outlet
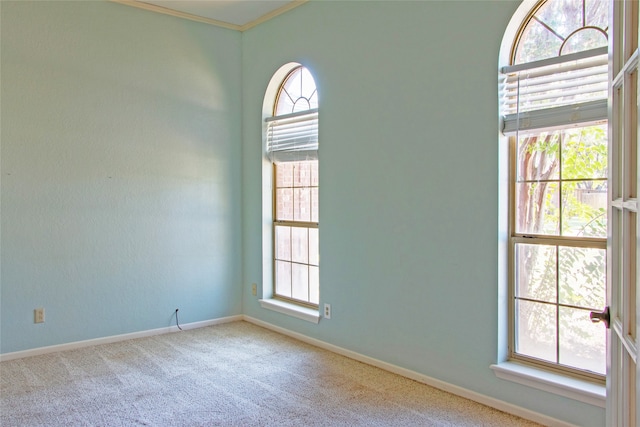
{"points": [[327, 311], [38, 315], [254, 289]]}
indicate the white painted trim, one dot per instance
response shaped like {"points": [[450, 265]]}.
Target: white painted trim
{"points": [[115, 338], [171, 12], [562, 385], [191, 17], [293, 310], [416, 376], [272, 14]]}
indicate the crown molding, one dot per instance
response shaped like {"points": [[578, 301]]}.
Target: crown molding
{"points": [[183, 15], [273, 14]]}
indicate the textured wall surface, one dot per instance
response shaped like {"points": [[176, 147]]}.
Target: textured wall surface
{"points": [[120, 171]]}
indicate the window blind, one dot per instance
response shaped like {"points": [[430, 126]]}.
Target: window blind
{"points": [[568, 89], [293, 136]]}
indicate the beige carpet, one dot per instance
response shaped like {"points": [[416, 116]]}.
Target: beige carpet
{"points": [[235, 374]]}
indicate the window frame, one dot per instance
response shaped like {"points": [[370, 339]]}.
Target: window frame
{"points": [[513, 238], [516, 238], [268, 296], [288, 223]]}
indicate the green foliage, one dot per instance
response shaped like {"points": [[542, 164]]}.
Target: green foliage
{"points": [[564, 174], [574, 162]]}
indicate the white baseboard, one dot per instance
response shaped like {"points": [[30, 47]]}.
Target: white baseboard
{"points": [[459, 391], [453, 389], [115, 338]]}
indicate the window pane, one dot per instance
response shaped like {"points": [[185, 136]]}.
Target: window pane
{"points": [[563, 17], [536, 330], [302, 174], [293, 84], [302, 204], [537, 157], [537, 43], [298, 92], [284, 175], [284, 204], [585, 39], [285, 104], [617, 229], [629, 290], [597, 13], [537, 208], [301, 104], [631, 159], [314, 252], [584, 152], [582, 276], [314, 205], [313, 101], [536, 272], [582, 343], [571, 21], [584, 208], [314, 173], [283, 278], [616, 146], [283, 243], [300, 281], [314, 285], [300, 245], [308, 85], [291, 91]]}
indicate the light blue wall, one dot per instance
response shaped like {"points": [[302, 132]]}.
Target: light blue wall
{"points": [[121, 144], [408, 183]]}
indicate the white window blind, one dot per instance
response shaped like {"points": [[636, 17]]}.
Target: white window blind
{"points": [[292, 137], [568, 89]]}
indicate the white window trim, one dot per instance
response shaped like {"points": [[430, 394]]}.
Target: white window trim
{"points": [[508, 370], [559, 384], [268, 302], [290, 309]]}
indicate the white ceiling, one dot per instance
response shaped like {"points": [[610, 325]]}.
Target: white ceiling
{"points": [[236, 13]]}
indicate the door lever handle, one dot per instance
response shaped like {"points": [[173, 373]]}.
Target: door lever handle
{"points": [[604, 317]]}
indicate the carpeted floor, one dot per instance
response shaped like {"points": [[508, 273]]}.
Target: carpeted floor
{"points": [[234, 374]]}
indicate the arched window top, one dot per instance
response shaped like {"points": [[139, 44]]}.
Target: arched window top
{"points": [[292, 129], [297, 93], [560, 27]]}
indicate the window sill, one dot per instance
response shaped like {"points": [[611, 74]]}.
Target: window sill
{"points": [[573, 388], [293, 310]]}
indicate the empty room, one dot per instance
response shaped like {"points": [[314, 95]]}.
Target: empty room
{"points": [[318, 212]]}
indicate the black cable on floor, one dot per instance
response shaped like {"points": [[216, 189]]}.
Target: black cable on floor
{"points": [[177, 322]]}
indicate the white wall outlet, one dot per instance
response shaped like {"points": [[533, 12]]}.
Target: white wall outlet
{"points": [[327, 311], [254, 289], [38, 315]]}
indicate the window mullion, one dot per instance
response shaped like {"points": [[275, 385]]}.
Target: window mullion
{"points": [[557, 304], [291, 261], [560, 184]]}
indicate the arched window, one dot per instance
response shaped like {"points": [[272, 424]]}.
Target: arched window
{"points": [[556, 28], [297, 93], [292, 148], [554, 110]]}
